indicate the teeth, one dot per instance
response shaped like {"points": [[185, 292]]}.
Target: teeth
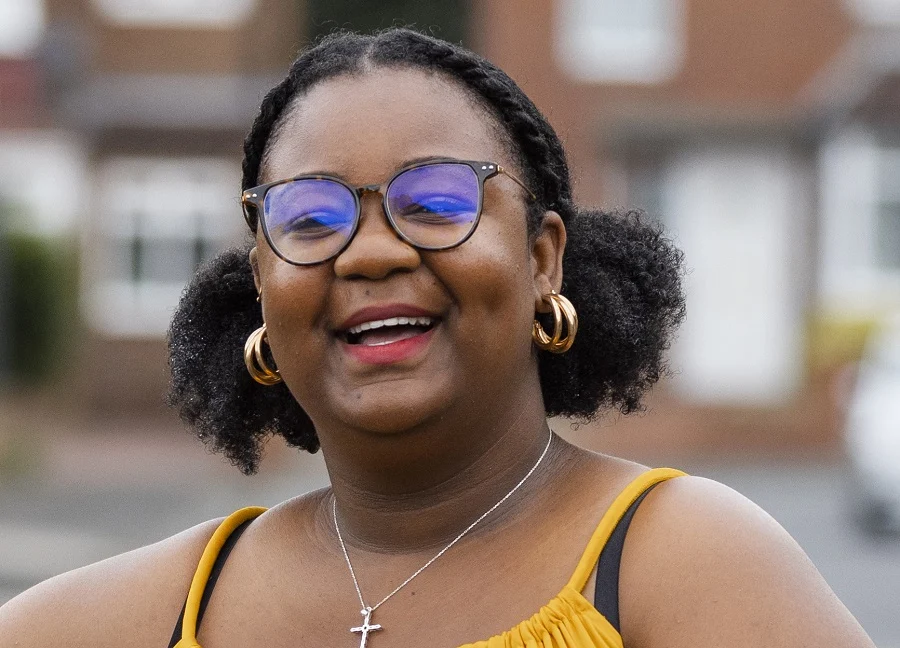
{"points": [[393, 321]]}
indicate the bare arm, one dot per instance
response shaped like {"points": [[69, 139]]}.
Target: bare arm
{"points": [[704, 566], [130, 600]]}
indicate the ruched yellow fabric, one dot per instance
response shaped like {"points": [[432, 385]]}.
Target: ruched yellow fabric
{"points": [[568, 621]]}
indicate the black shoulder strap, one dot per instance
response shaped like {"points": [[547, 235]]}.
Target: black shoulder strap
{"points": [[211, 583], [606, 590]]}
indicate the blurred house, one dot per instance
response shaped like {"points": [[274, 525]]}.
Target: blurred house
{"points": [[129, 118], [30, 151], [764, 135]]}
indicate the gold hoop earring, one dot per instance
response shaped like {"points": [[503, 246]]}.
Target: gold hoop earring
{"points": [[562, 309], [259, 370]]}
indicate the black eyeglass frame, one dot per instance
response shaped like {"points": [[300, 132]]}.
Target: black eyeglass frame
{"points": [[254, 199]]}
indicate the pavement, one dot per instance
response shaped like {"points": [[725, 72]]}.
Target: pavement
{"points": [[72, 497]]}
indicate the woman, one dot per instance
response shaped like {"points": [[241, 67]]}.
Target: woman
{"points": [[412, 214]]}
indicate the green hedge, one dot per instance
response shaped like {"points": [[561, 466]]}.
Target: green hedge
{"points": [[39, 293]]}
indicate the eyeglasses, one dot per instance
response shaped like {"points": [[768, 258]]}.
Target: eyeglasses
{"points": [[432, 205]]}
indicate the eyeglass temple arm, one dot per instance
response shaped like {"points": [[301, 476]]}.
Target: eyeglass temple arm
{"points": [[530, 193], [248, 205]]}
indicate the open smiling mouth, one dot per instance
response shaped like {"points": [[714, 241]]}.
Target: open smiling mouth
{"points": [[387, 331]]}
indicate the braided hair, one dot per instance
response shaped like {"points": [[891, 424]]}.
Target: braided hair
{"points": [[620, 271]]}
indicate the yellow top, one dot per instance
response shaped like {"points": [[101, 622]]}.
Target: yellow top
{"points": [[569, 620]]}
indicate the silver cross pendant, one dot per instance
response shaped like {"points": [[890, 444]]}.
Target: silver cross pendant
{"points": [[366, 627]]}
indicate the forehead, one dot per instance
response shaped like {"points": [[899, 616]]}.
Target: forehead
{"points": [[364, 126]]}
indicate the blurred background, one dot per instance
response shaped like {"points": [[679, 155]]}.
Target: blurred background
{"points": [[764, 135]]}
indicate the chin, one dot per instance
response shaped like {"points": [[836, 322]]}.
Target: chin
{"points": [[389, 408]]}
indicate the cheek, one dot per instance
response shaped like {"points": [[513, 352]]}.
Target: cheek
{"points": [[495, 285], [293, 303]]}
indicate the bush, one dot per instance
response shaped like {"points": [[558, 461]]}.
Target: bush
{"points": [[39, 294]]}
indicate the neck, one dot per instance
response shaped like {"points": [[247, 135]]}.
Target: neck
{"points": [[419, 489]]}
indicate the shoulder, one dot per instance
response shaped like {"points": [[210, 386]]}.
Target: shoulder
{"points": [[131, 599], [703, 565]]}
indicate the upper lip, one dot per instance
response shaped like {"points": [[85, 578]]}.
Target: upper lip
{"points": [[372, 313]]}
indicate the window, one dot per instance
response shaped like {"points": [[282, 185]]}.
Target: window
{"points": [[883, 12], [887, 210], [636, 41], [158, 219], [644, 187], [736, 208], [447, 19], [859, 265], [21, 27], [175, 13], [42, 172]]}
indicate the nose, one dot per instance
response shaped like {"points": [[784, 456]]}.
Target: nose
{"points": [[376, 250]]}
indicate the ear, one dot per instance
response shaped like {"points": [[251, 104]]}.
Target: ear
{"points": [[254, 264], [546, 259]]}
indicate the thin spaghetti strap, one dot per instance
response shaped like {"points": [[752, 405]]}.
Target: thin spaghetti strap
{"points": [[210, 583], [204, 569], [611, 518]]}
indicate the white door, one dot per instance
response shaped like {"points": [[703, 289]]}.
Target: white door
{"points": [[738, 213]]}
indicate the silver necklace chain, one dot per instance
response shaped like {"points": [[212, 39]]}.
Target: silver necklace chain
{"points": [[367, 610]]}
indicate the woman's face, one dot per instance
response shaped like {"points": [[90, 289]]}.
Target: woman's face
{"points": [[481, 296]]}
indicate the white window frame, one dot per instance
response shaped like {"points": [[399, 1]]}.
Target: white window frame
{"points": [[876, 12], [153, 199], [736, 209], [851, 278], [888, 194], [44, 171], [597, 53], [176, 14], [22, 24]]}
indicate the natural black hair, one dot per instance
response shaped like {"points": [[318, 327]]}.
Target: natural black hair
{"points": [[620, 271]]}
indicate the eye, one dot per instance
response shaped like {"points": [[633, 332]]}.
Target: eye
{"points": [[437, 209], [314, 225]]}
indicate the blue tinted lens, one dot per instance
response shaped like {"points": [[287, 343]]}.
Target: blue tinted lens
{"points": [[436, 205], [309, 220]]}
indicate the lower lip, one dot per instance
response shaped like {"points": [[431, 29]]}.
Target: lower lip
{"points": [[391, 353]]}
